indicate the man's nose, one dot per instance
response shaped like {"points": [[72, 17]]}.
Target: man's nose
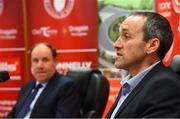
{"points": [[40, 64], [118, 43]]}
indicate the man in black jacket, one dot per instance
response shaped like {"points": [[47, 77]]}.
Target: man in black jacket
{"points": [[57, 96], [150, 90]]}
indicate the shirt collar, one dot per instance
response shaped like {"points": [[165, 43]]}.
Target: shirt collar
{"points": [[43, 84], [138, 77]]}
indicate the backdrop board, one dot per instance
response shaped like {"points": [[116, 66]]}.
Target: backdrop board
{"points": [[70, 25], [13, 62], [171, 10], [12, 52]]}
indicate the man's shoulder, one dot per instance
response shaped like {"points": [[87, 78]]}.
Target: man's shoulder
{"points": [[163, 75], [60, 79]]}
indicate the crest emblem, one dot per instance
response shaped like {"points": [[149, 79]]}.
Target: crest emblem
{"points": [[58, 9]]}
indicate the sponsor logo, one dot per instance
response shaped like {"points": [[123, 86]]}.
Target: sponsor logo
{"points": [[164, 5], [12, 65], [45, 31], [78, 30], [58, 9], [1, 6], [74, 65], [8, 34], [64, 67], [6, 106]]}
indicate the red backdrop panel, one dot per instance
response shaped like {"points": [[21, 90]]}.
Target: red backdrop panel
{"points": [[12, 52], [72, 26], [11, 25], [170, 10], [115, 86]]}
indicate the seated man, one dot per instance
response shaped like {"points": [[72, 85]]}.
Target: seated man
{"points": [[50, 95], [150, 90]]}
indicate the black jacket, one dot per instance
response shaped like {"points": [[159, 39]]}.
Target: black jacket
{"points": [[157, 95], [59, 99]]}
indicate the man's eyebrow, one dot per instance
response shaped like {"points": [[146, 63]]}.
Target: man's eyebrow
{"points": [[123, 29]]}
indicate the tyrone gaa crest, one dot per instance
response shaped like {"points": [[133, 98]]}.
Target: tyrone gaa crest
{"points": [[58, 9]]}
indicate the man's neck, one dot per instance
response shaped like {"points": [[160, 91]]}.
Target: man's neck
{"points": [[141, 68]]}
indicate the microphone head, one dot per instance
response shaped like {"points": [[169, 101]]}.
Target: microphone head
{"points": [[4, 76]]}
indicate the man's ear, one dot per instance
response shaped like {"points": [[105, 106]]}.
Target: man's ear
{"points": [[153, 45], [55, 60]]}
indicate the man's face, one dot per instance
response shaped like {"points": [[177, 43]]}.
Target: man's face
{"points": [[42, 63], [130, 47]]}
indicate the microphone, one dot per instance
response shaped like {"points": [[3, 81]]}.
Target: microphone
{"points": [[4, 76]]}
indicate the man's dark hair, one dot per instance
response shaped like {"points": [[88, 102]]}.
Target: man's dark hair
{"points": [[157, 26], [53, 49]]}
